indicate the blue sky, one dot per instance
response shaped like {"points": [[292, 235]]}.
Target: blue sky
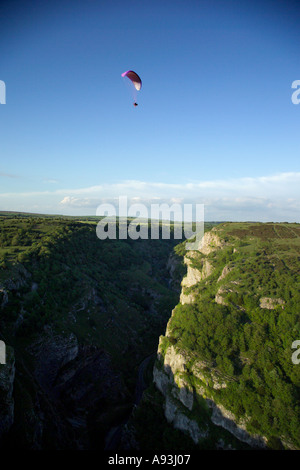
{"points": [[215, 122]]}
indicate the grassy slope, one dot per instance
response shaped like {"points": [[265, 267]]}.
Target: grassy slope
{"points": [[110, 293], [246, 345]]}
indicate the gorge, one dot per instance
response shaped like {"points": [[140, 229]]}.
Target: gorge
{"points": [[81, 319]]}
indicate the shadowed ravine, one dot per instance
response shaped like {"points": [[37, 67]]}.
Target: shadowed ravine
{"points": [[113, 437]]}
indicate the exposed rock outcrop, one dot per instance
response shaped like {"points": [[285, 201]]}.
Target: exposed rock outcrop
{"points": [[193, 276], [220, 297], [226, 270], [50, 354], [211, 242], [181, 421], [171, 380], [222, 417], [181, 377], [177, 391], [81, 385], [270, 303], [20, 279]]}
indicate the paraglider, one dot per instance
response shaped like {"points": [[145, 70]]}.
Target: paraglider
{"points": [[136, 83]]}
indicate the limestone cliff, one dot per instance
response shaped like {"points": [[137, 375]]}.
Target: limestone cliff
{"points": [[172, 376], [209, 243], [182, 376]]}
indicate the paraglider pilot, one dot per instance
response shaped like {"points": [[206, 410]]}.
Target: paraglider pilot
{"points": [[136, 82]]}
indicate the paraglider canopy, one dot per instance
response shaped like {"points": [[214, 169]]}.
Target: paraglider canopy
{"points": [[137, 82]]}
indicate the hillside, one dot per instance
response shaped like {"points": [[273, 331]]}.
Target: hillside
{"points": [[224, 374], [77, 315]]}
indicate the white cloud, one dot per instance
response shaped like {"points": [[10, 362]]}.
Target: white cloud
{"points": [[77, 202], [272, 197]]}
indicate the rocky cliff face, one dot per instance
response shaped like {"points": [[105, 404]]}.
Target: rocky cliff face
{"points": [[72, 388], [81, 314], [180, 396], [183, 379], [194, 275]]}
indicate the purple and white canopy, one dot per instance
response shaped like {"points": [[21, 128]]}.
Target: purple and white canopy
{"points": [[137, 82]]}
